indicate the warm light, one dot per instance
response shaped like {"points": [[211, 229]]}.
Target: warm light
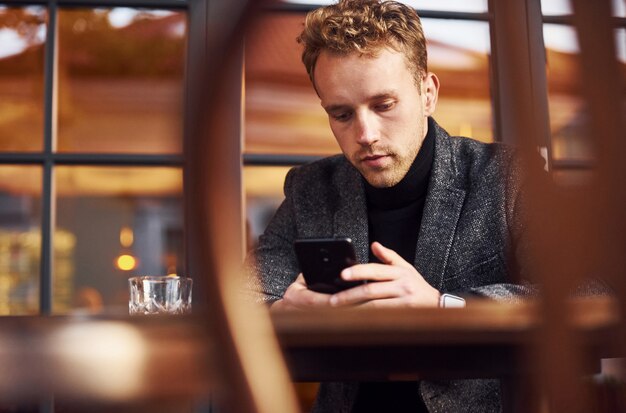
{"points": [[126, 262], [465, 129], [106, 359], [126, 237]]}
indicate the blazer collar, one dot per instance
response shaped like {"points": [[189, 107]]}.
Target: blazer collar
{"points": [[442, 209], [350, 218]]}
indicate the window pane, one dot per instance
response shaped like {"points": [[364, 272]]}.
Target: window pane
{"points": [[283, 113], [20, 239], [263, 186], [458, 53], [119, 221], [620, 42], [569, 117], [121, 80], [447, 5], [573, 177], [556, 7], [22, 38], [564, 7]]}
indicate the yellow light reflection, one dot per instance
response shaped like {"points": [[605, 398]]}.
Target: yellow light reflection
{"points": [[126, 262], [126, 237]]}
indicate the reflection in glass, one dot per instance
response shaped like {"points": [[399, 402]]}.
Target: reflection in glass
{"points": [[22, 37], [121, 80], [123, 221], [20, 239], [283, 114], [263, 188]]}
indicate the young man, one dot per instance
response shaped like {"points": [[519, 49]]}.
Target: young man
{"points": [[428, 213]]}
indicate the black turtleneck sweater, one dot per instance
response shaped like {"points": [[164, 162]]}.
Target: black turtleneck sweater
{"points": [[394, 216], [395, 213]]}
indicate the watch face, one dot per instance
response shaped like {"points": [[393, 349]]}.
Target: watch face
{"points": [[452, 301]]}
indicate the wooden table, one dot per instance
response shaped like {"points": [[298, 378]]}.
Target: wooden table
{"points": [[483, 340], [120, 359]]}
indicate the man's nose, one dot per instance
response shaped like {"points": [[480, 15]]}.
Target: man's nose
{"points": [[367, 131]]}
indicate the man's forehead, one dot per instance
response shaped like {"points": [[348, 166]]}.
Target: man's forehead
{"points": [[370, 77]]}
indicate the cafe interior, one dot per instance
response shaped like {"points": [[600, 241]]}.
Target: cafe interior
{"points": [[152, 137]]}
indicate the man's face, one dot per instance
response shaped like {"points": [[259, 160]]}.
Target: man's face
{"points": [[376, 111]]}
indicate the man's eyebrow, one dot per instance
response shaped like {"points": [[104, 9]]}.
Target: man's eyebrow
{"points": [[379, 96], [335, 108], [384, 95]]}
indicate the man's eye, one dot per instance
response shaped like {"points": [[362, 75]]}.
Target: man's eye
{"points": [[341, 117], [381, 107]]}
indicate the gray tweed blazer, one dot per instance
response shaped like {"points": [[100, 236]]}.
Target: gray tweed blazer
{"points": [[469, 233]]}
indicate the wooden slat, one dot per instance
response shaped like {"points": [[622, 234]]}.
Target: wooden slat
{"points": [[254, 376]]}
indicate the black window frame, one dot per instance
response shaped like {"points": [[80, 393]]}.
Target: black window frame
{"points": [[49, 158]]}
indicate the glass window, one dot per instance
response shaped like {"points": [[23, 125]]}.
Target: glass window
{"points": [[619, 8], [20, 239], [22, 38], [564, 7], [263, 186], [118, 222], [283, 113], [620, 42], [476, 6], [556, 7], [568, 114], [569, 117], [458, 53], [120, 78]]}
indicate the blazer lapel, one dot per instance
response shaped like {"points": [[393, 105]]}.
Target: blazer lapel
{"points": [[442, 209], [350, 218]]}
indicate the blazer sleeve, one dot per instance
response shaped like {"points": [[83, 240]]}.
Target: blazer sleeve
{"points": [[522, 284], [272, 266]]}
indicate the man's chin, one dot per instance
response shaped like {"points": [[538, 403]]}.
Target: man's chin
{"points": [[380, 179]]}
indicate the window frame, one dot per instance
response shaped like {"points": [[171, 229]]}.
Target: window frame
{"points": [[48, 158]]}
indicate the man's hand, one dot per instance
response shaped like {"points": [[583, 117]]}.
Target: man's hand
{"points": [[396, 283], [298, 296]]}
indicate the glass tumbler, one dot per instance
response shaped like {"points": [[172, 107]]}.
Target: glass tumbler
{"points": [[159, 295]]}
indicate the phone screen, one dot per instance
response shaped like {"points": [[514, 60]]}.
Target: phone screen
{"points": [[322, 260]]}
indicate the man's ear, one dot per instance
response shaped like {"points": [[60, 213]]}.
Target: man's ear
{"points": [[430, 91]]}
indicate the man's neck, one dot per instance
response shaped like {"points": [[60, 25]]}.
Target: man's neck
{"points": [[412, 186]]}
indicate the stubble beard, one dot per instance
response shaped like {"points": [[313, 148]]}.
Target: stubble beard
{"points": [[387, 176]]}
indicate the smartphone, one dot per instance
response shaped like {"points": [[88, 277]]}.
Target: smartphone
{"points": [[321, 261]]}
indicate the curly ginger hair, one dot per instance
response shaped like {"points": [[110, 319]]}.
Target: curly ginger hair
{"points": [[364, 27]]}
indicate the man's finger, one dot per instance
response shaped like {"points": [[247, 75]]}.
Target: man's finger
{"points": [[300, 280], [385, 303], [298, 295], [387, 256], [364, 293], [373, 271]]}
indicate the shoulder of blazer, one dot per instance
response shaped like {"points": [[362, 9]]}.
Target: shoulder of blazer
{"points": [[463, 161], [328, 174]]}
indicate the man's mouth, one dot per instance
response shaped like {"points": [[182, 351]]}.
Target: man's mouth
{"points": [[374, 160]]}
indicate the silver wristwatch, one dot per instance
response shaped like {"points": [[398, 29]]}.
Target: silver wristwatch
{"points": [[451, 301]]}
